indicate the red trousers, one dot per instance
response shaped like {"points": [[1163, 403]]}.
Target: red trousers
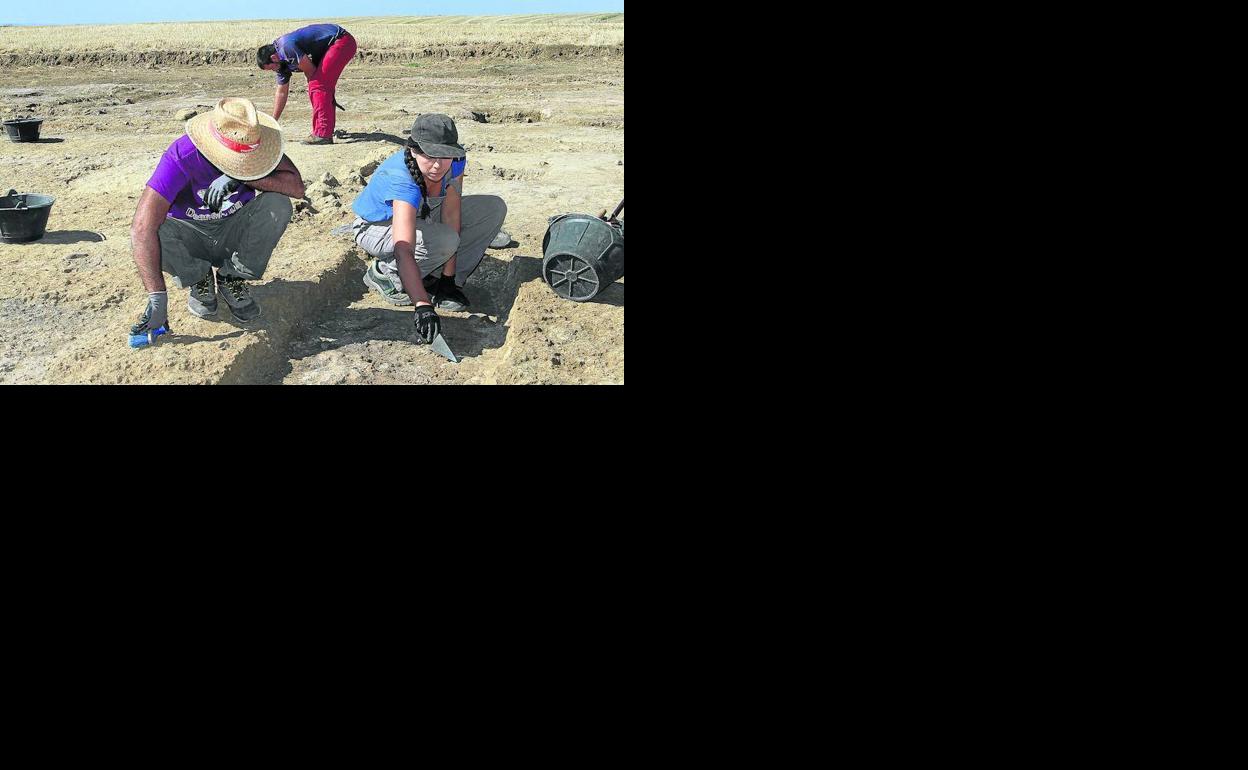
{"points": [[321, 88]]}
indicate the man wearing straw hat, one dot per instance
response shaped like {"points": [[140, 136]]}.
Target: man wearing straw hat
{"points": [[220, 197]]}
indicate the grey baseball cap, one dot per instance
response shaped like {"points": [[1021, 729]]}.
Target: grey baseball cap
{"points": [[436, 136]]}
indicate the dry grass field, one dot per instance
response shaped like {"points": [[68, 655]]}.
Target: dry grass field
{"points": [[394, 33]]}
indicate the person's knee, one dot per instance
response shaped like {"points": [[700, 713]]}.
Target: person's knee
{"points": [[440, 241], [492, 210], [431, 265], [498, 208], [277, 207], [176, 257], [376, 241], [185, 269]]}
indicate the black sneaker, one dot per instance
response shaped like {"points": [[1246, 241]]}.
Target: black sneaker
{"points": [[448, 296], [237, 295], [203, 299]]}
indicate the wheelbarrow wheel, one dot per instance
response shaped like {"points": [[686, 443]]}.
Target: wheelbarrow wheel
{"points": [[573, 278]]}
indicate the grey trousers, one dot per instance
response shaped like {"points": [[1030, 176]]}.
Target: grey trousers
{"points": [[480, 219], [239, 246]]}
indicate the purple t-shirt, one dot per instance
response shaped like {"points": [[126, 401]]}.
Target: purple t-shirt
{"points": [[182, 177], [313, 41]]}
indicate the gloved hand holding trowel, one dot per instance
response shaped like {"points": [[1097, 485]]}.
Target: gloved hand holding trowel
{"points": [[428, 325]]}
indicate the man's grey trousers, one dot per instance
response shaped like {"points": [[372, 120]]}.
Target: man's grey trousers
{"points": [[239, 246]]}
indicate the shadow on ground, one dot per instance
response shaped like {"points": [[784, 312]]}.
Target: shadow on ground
{"points": [[532, 268], [347, 137], [62, 237], [493, 290], [186, 339], [612, 295]]}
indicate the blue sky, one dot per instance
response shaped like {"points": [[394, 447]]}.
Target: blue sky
{"points": [[130, 11]]}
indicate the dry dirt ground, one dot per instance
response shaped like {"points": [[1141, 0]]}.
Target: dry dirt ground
{"points": [[553, 143]]}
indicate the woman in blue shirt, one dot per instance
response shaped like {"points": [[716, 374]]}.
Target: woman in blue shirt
{"points": [[425, 235]]}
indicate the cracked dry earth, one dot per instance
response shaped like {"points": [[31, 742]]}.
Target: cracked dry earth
{"points": [[553, 143]]}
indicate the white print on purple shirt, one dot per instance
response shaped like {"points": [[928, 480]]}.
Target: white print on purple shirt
{"points": [[226, 210]]}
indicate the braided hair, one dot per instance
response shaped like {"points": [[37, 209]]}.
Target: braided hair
{"points": [[417, 176]]}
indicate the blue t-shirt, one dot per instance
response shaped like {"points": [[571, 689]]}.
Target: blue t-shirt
{"points": [[393, 182], [311, 41]]}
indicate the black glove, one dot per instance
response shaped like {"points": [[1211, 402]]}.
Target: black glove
{"points": [[445, 290], [428, 325], [219, 190]]}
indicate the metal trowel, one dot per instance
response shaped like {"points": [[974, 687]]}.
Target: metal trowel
{"points": [[441, 348]]}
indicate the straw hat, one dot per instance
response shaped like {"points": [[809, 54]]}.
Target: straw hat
{"points": [[238, 139]]}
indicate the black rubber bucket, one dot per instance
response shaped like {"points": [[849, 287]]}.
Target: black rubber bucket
{"points": [[583, 255], [24, 129], [24, 217]]}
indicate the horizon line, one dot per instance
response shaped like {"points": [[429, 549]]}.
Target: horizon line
{"points": [[296, 18]]}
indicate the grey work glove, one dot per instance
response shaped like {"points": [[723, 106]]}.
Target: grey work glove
{"points": [[428, 324], [219, 190], [155, 315]]}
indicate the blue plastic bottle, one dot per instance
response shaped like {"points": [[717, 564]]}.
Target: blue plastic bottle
{"points": [[143, 340]]}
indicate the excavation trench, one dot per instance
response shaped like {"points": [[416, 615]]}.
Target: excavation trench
{"points": [[247, 56], [361, 339]]}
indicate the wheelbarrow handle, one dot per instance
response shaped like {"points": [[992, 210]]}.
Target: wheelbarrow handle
{"points": [[618, 209]]}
